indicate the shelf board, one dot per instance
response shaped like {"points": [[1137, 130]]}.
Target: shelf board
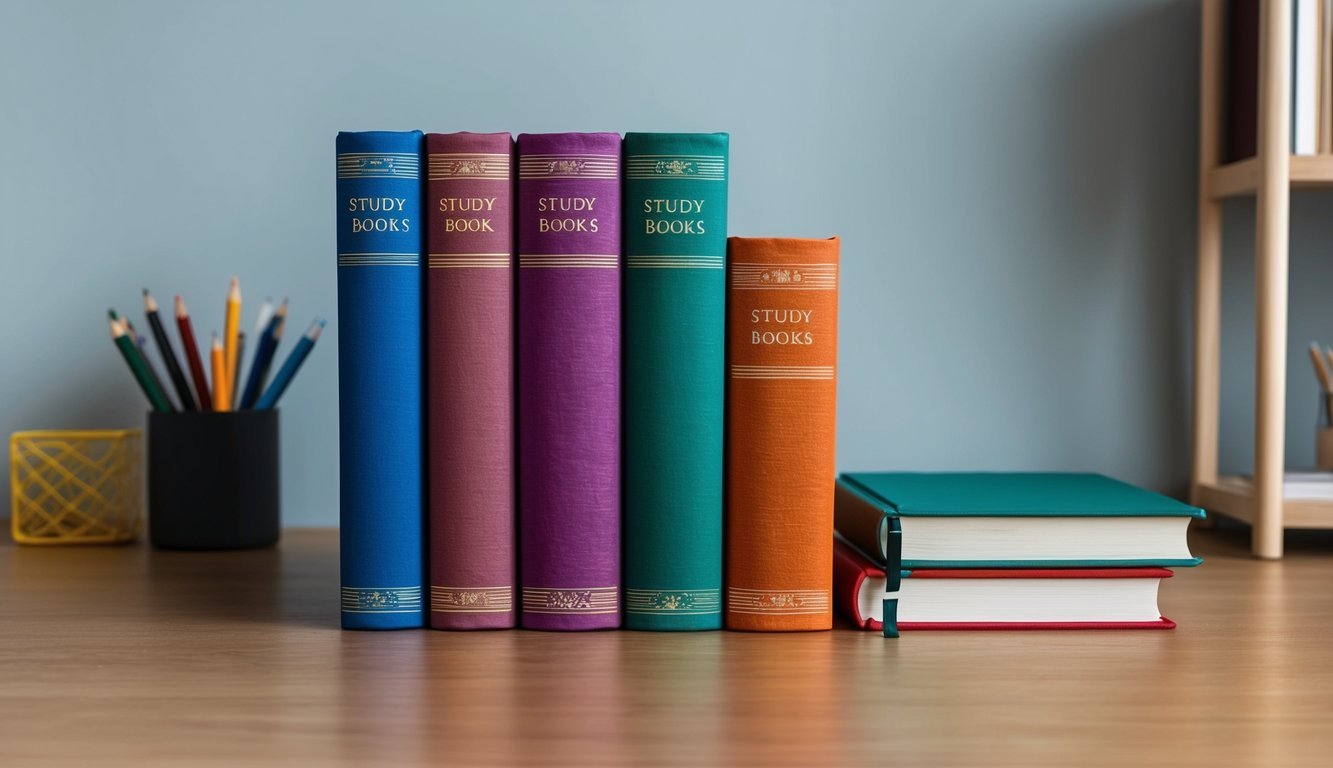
{"points": [[1242, 178], [1233, 496]]}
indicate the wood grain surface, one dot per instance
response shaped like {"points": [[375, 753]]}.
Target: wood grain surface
{"points": [[126, 656]]}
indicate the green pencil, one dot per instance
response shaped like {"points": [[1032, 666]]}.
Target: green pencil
{"points": [[137, 366], [141, 353]]}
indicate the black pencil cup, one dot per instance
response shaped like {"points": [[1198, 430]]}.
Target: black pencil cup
{"points": [[213, 479]]}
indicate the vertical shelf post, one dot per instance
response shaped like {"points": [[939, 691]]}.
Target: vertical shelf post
{"points": [[1208, 280], [1271, 231]]}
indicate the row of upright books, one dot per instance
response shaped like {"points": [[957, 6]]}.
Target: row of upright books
{"points": [[557, 371], [555, 367]]}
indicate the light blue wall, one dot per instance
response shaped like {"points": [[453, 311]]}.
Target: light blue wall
{"points": [[1014, 185]]}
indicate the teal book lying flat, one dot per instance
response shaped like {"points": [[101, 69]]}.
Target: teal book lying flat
{"points": [[1010, 520]]}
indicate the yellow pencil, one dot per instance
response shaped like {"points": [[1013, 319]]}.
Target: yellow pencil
{"points": [[221, 381], [231, 327]]}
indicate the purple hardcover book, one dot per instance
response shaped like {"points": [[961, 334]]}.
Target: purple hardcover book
{"points": [[569, 379]]}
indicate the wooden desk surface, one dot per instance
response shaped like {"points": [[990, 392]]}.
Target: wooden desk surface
{"points": [[129, 656]]}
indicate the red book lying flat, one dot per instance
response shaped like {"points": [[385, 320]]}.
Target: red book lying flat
{"points": [[1064, 598]]}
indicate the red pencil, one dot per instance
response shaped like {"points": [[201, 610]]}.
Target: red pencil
{"points": [[192, 356]]}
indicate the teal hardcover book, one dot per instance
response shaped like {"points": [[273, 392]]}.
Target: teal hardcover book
{"points": [[675, 226], [1011, 520]]}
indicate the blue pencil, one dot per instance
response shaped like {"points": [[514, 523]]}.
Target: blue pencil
{"points": [[290, 367], [268, 344]]}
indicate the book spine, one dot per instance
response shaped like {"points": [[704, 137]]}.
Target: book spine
{"points": [[782, 315], [859, 520], [470, 379], [1242, 62], [851, 569], [379, 378], [1305, 78], [675, 294], [569, 379]]}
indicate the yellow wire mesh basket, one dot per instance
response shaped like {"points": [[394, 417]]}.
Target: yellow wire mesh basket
{"points": [[76, 487]]}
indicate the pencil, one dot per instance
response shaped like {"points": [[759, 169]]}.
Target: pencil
{"points": [[1320, 369], [192, 358], [264, 316], [281, 317], [221, 398], [231, 327], [168, 354], [235, 390], [268, 344], [135, 361], [289, 367], [141, 349]]}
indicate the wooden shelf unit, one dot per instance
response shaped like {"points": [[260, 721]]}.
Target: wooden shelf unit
{"points": [[1233, 496], [1242, 178], [1269, 176]]}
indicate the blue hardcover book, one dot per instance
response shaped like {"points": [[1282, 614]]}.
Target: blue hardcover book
{"points": [[675, 325], [379, 378]]}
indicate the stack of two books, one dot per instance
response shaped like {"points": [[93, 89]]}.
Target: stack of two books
{"points": [[1004, 551]]}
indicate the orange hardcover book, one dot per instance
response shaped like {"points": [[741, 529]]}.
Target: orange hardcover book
{"points": [[782, 346]]}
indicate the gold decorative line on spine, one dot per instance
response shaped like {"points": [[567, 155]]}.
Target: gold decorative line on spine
{"points": [[471, 600], [571, 260], [783, 288], [675, 262], [379, 259], [777, 602], [677, 601], [587, 600], [674, 266], [698, 167], [809, 277], [378, 165], [468, 260], [655, 177], [573, 166], [469, 165], [525, 176], [381, 599], [809, 373]]}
